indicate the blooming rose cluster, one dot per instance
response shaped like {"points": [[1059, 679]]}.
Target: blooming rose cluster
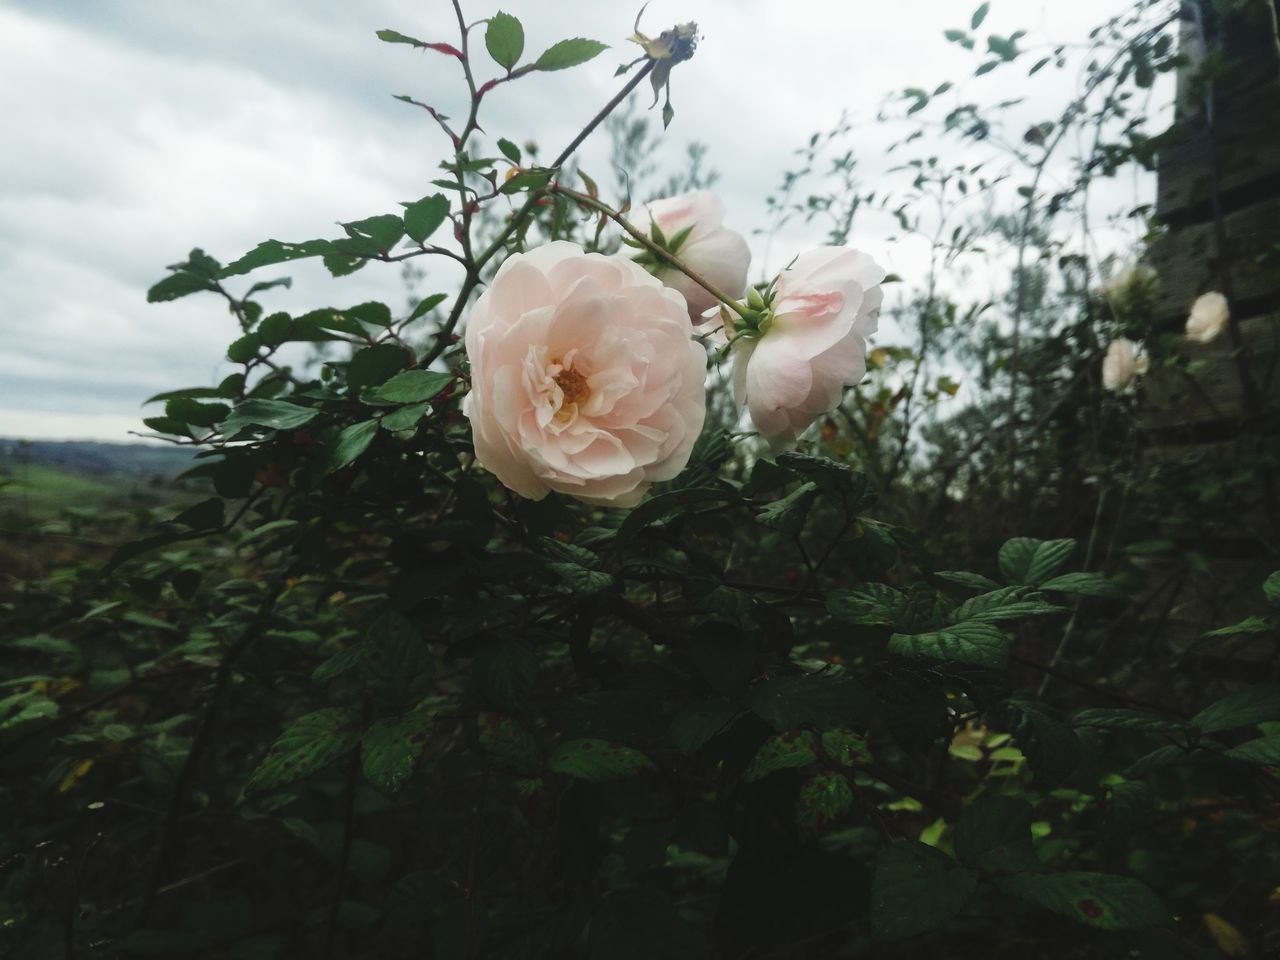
{"points": [[586, 377]]}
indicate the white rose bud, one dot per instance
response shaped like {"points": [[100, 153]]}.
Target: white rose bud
{"points": [[692, 225]]}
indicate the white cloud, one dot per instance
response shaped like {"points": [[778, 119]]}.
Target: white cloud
{"points": [[137, 130]]}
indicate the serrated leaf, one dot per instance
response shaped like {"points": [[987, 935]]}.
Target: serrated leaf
{"points": [[789, 513], [1271, 589], [408, 386], [824, 799], [1086, 585], [423, 217], [569, 53], [845, 747], [1110, 718], [973, 642], [384, 231], [694, 726], [835, 479], [505, 669], [1097, 899], [973, 580], [1004, 603], [598, 760], [797, 748], [508, 744], [310, 743], [274, 414], [1249, 625], [271, 252], [817, 699], [994, 835], [343, 450], [340, 663], [511, 151], [426, 305], [1264, 751], [400, 663], [1244, 708], [504, 39], [376, 364], [1025, 561], [665, 507], [391, 749], [406, 418], [916, 889]]}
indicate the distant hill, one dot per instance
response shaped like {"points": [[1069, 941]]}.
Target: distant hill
{"points": [[133, 460]]}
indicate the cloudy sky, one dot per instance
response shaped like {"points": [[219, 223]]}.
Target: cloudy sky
{"points": [[137, 129]]}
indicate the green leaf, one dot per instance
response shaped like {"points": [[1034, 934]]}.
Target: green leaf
{"points": [[994, 835], [422, 217], [974, 642], [817, 699], [1264, 751], [1097, 899], [426, 305], [504, 39], [582, 581], [343, 449], [508, 744], [384, 231], [1272, 589], [1003, 603], [177, 285], [824, 799], [1244, 708], [1052, 747], [243, 349], [724, 657], [526, 180], [789, 513], [797, 748], [1031, 562], [341, 663], [978, 16], [505, 670], [965, 579], [694, 726], [391, 749], [569, 53], [310, 743], [271, 252], [838, 480], [1249, 625], [399, 661], [273, 414], [845, 747], [1086, 585], [1113, 718], [868, 605], [665, 507], [598, 760], [916, 889], [373, 365], [406, 418], [408, 386], [196, 413], [509, 150]]}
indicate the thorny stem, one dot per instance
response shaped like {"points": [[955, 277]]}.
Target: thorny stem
{"points": [[667, 257], [472, 278]]}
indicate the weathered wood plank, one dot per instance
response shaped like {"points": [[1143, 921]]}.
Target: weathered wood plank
{"points": [[1185, 259]]}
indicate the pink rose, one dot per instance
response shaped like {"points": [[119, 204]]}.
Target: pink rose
{"points": [[709, 249], [811, 344], [584, 378]]}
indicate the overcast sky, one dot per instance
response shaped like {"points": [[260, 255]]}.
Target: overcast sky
{"points": [[137, 129]]}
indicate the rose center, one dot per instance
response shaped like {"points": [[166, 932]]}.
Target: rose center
{"points": [[574, 387]]}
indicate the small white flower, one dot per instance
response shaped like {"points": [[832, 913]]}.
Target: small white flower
{"points": [[1208, 317]]}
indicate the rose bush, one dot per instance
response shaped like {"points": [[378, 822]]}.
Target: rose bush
{"points": [[584, 379]]}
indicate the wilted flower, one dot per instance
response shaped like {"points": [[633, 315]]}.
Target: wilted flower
{"points": [[584, 377], [691, 227], [1121, 365], [1209, 315], [810, 341]]}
